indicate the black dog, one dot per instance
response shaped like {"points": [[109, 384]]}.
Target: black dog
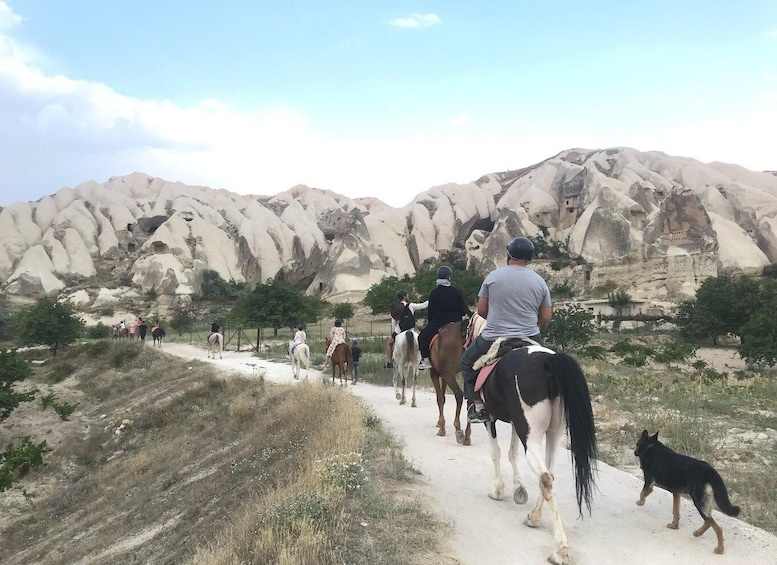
{"points": [[682, 474]]}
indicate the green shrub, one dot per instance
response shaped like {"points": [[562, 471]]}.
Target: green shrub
{"points": [[64, 409], [98, 331], [343, 471], [16, 461], [124, 354]]}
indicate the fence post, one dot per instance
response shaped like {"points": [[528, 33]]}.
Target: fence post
{"points": [[238, 339]]}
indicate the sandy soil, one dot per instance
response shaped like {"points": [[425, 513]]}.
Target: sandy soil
{"points": [[456, 481]]}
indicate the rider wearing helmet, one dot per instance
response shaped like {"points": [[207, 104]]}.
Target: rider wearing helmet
{"points": [[401, 311], [299, 337], [446, 304], [515, 301]]}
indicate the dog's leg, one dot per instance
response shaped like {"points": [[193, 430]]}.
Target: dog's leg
{"points": [[710, 523], [675, 523], [644, 493]]}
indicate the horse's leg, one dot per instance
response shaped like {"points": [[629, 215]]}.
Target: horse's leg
{"points": [[461, 437], [519, 492], [414, 373], [539, 418], [496, 455], [439, 390]]}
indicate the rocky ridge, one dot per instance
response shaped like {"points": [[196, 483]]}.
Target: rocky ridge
{"points": [[654, 224]]}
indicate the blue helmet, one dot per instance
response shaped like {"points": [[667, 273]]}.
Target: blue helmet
{"points": [[521, 248]]}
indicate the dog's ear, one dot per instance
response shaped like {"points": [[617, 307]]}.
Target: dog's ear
{"points": [[644, 435], [655, 436]]}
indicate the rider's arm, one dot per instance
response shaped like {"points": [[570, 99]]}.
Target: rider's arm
{"points": [[418, 306], [544, 315], [483, 307]]}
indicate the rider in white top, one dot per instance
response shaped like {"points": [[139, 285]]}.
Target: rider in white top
{"points": [[299, 337]]}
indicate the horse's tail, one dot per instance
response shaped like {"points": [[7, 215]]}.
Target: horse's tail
{"points": [[411, 345], [303, 354], [580, 423]]}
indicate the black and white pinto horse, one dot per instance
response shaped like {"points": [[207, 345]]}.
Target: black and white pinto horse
{"points": [[158, 333], [406, 358], [300, 356], [215, 344], [540, 392]]}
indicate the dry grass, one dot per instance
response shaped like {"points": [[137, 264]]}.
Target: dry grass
{"points": [[166, 462]]}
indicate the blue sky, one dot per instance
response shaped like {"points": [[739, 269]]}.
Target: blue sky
{"points": [[366, 98]]}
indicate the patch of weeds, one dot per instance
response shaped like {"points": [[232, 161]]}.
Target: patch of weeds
{"points": [[17, 460], [97, 348], [635, 360], [298, 508], [345, 470], [123, 355], [371, 420], [595, 352], [60, 372], [64, 409]]}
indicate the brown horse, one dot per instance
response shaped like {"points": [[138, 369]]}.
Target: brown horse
{"points": [[119, 332], [342, 358], [445, 354]]}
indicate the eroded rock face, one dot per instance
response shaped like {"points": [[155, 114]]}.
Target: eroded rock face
{"points": [[655, 224]]}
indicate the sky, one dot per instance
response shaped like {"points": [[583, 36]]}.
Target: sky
{"points": [[373, 99]]}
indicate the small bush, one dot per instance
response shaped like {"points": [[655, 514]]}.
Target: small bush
{"points": [[123, 355], [60, 372], [298, 508], [17, 461], [98, 331], [343, 471], [64, 409]]}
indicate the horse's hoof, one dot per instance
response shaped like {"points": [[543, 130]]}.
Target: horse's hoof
{"points": [[413, 405], [529, 521], [402, 402], [459, 436], [441, 432], [559, 557], [520, 496], [398, 396], [467, 441], [495, 495]]}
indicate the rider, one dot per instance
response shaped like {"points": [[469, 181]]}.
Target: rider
{"points": [[398, 316], [515, 301], [214, 328], [336, 337], [299, 337], [446, 304]]}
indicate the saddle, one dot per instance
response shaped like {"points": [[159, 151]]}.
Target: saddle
{"points": [[488, 361]]}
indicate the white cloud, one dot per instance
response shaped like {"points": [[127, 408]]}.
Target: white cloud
{"points": [[8, 18], [461, 121], [417, 20]]}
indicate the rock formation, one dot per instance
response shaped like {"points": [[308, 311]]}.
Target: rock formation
{"points": [[653, 224]]}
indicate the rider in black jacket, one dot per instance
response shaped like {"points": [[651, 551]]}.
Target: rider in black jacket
{"points": [[446, 304]]}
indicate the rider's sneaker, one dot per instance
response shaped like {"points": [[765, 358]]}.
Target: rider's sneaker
{"points": [[389, 365], [423, 365], [476, 416]]}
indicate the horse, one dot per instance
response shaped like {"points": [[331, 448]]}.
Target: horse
{"points": [[445, 354], [342, 358], [119, 332], [158, 333], [300, 356], [539, 391], [215, 343], [406, 358]]}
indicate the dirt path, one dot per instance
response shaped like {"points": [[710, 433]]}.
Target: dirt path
{"points": [[457, 480]]}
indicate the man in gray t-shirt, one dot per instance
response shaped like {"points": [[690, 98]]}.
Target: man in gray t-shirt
{"points": [[515, 301]]}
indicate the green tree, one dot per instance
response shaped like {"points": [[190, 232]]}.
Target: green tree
{"points": [[570, 327], [277, 304], [618, 300], [181, 315], [758, 334], [344, 311], [214, 287], [382, 296], [49, 322]]}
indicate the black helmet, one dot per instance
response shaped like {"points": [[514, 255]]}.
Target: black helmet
{"points": [[402, 294], [444, 272], [338, 322], [300, 327], [521, 248]]}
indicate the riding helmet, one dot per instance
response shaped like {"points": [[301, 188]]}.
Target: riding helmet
{"points": [[521, 248], [355, 341], [338, 322], [300, 327], [402, 294], [444, 272]]}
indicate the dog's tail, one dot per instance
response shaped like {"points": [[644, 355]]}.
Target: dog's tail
{"points": [[721, 494]]}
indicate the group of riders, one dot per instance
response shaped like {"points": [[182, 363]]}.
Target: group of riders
{"points": [[140, 328], [513, 299]]}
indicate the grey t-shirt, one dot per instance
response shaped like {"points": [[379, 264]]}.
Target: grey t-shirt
{"points": [[515, 295]]}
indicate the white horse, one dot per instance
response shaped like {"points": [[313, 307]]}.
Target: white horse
{"points": [[406, 358], [300, 356], [215, 343]]}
